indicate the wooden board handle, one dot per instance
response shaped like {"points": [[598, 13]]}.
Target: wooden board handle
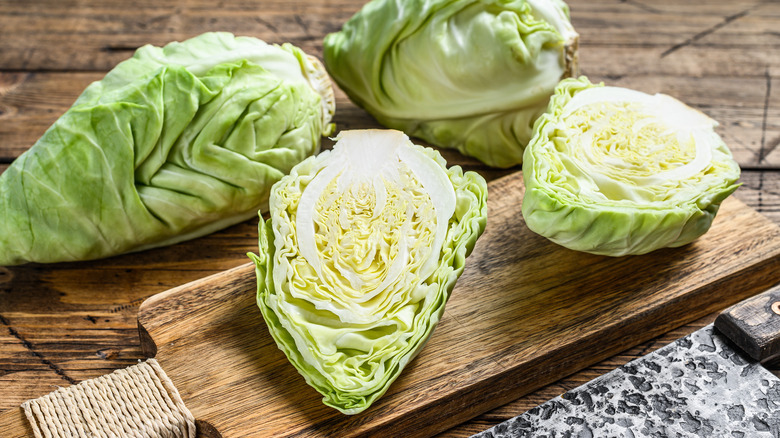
{"points": [[754, 324]]}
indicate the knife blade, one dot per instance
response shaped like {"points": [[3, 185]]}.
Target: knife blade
{"points": [[710, 383]]}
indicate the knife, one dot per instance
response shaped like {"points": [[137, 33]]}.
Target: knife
{"points": [[710, 383]]}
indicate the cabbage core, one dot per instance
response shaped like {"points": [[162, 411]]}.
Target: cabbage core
{"points": [[620, 144], [368, 225]]}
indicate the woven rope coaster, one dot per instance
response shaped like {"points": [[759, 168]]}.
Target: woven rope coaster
{"points": [[136, 402]]}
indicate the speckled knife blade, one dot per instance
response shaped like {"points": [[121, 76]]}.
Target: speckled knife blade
{"points": [[701, 385]]}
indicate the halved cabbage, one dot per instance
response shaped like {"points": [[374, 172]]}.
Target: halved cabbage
{"points": [[362, 248], [467, 74], [615, 171]]}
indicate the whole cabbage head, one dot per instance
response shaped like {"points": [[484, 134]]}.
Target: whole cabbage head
{"points": [[173, 143], [615, 171], [467, 74]]}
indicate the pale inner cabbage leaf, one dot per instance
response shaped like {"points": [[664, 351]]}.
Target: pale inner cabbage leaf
{"points": [[615, 171], [644, 149], [367, 227]]}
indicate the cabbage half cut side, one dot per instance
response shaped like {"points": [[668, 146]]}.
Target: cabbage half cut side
{"points": [[615, 171], [363, 246]]}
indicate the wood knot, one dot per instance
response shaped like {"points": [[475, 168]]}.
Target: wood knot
{"points": [[7, 111], [206, 430], [5, 275], [108, 353]]}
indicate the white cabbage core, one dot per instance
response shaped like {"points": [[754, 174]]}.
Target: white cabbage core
{"points": [[369, 226], [624, 145]]}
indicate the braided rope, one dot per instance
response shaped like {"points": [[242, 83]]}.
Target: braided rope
{"points": [[136, 402]]}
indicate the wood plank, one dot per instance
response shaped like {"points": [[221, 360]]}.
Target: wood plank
{"points": [[761, 191], [104, 33], [667, 24], [718, 56], [495, 342]]}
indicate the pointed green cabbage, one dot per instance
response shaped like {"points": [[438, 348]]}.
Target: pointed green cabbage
{"points": [[173, 143], [467, 74], [614, 171], [362, 248]]}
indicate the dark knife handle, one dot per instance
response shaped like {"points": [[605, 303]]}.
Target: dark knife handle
{"points": [[754, 324]]}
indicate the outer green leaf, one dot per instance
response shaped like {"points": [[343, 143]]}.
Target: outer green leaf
{"points": [[363, 246], [615, 171], [172, 144], [467, 74]]}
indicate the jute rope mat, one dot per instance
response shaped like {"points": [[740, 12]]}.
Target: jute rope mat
{"points": [[136, 402]]}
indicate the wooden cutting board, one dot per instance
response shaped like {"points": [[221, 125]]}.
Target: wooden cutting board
{"points": [[525, 313]]}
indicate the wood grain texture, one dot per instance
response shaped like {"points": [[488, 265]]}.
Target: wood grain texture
{"points": [[717, 56], [69, 322], [754, 324], [525, 313]]}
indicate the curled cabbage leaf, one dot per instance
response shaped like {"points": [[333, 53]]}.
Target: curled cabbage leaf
{"points": [[172, 144], [362, 248], [467, 74], [615, 171]]}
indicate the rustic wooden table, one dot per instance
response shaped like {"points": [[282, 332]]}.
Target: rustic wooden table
{"points": [[63, 323]]}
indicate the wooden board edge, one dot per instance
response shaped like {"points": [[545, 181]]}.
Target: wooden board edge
{"points": [[508, 385], [507, 379], [160, 298], [159, 302]]}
